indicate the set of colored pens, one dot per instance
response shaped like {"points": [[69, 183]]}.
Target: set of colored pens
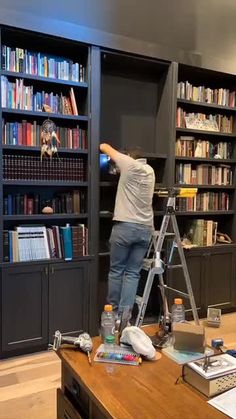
{"points": [[117, 355]]}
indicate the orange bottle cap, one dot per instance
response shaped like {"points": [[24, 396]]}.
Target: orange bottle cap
{"points": [[178, 301], [108, 307]]}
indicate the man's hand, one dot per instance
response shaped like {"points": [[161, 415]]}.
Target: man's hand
{"points": [[110, 151]]}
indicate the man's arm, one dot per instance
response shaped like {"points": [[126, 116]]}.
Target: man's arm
{"points": [[110, 151]]}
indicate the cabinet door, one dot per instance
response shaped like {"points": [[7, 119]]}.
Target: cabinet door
{"points": [[220, 278], [175, 279], [24, 308], [68, 298]]}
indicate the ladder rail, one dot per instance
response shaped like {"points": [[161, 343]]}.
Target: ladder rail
{"points": [[156, 243], [185, 270]]}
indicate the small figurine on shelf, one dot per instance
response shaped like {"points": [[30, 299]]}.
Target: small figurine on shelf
{"points": [[47, 209], [49, 139]]}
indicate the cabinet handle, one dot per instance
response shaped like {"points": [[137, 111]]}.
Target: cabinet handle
{"points": [[52, 270], [46, 270]]}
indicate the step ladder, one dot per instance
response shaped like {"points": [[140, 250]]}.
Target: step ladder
{"points": [[156, 267]]}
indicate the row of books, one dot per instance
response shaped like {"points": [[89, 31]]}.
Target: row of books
{"points": [[28, 134], [28, 243], [202, 232], [67, 169], [204, 174], [27, 204], [19, 96], [38, 64], [204, 201], [187, 146], [223, 97], [200, 121]]}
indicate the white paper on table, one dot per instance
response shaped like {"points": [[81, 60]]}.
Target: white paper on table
{"points": [[225, 402]]}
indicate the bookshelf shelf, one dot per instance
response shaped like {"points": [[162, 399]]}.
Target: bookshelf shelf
{"points": [[202, 132], [207, 160], [108, 184], [37, 149], [206, 105], [159, 213], [110, 214], [205, 186], [47, 261], [44, 79], [44, 115], [44, 183], [150, 156], [103, 254], [105, 214], [204, 213], [44, 217]]}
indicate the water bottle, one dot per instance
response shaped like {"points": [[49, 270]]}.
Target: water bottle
{"points": [[178, 311], [109, 346], [109, 343], [107, 322]]}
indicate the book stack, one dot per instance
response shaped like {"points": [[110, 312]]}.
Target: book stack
{"points": [[188, 146], [204, 201], [202, 232], [204, 174], [38, 64], [28, 243], [63, 203], [68, 169], [20, 96], [223, 97], [25, 133]]}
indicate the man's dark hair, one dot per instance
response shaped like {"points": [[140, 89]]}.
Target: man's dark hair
{"points": [[135, 152]]}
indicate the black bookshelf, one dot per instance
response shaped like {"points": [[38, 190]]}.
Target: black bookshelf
{"points": [[54, 284], [137, 91], [207, 264]]}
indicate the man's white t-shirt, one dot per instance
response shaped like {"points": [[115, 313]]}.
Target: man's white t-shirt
{"points": [[135, 191]]}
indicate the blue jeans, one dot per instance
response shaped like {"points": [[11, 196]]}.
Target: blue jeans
{"points": [[128, 246]]}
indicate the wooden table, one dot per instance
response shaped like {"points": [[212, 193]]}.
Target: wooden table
{"points": [[145, 391]]}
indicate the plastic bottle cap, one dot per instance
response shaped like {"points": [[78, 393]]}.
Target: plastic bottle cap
{"points": [[108, 307], [178, 301], [110, 339]]}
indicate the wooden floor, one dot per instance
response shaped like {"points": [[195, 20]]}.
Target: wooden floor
{"points": [[28, 383]]}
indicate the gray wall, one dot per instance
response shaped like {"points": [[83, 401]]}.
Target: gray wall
{"points": [[198, 32]]}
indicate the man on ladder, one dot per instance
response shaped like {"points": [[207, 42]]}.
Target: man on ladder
{"points": [[155, 266]]}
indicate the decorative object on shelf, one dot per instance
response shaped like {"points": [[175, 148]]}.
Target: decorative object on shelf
{"points": [[47, 210], [197, 122], [47, 108], [198, 149], [223, 238], [49, 139]]}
